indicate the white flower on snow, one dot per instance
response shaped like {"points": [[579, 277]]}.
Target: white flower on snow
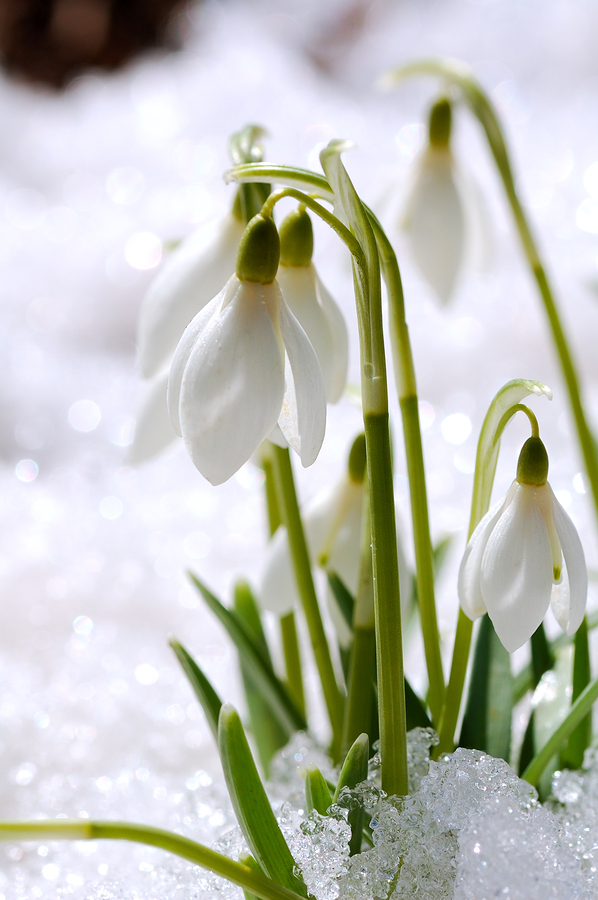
{"points": [[333, 530], [444, 218], [525, 555], [245, 364], [194, 273]]}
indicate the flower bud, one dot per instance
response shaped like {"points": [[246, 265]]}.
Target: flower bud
{"points": [[259, 251], [296, 239], [532, 467], [440, 124]]}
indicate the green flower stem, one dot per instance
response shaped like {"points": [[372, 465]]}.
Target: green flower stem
{"points": [[307, 593], [288, 629], [292, 659], [407, 389], [460, 75], [88, 830], [503, 407], [361, 242], [579, 710], [361, 696]]}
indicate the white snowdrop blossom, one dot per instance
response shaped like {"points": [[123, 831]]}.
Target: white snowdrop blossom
{"points": [[319, 315], [333, 530], [243, 365], [444, 218], [189, 279], [524, 555]]}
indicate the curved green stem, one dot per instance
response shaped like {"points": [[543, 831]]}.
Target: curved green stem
{"points": [[87, 830], [407, 389], [459, 75]]}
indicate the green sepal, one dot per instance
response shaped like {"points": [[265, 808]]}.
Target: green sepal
{"points": [[354, 771], [487, 720], [205, 693], [532, 466], [259, 251], [268, 734], [343, 597], [581, 738], [264, 677], [250, 802], [440, 124], [317, 792], [296, 239]]}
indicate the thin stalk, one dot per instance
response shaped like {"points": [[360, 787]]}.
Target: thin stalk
{"points": [[361, 694], [579, 710], [305, 585], [288, 629], [407, 390], [78, 830], [479, 103], [292, 659]]}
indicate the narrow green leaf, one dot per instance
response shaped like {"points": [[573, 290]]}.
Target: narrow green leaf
{"points": [[268, 733], [580, 738], [317, 792], [417, 717], [343, 596], [487, 720], [205, 693], [246, 859], [252, 807], [354, 771], [440, 552], [543, 658], [263, 675]]}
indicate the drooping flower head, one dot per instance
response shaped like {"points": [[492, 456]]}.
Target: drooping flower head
{"points": [[310, 301], [243, 365], [525, 555], [444, 219]]}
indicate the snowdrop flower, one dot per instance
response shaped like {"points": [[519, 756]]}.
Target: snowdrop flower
{"points": [[444, 219], [311, 303], [195, 272], [245, 364], [333, 529], [525, 555]]}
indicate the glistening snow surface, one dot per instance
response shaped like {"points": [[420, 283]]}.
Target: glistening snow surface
{"points": [[95, 717]]}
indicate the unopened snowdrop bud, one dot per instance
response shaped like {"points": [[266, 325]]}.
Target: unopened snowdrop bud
{"points": [[311, 303], [333, 529], [525, 555], [245, 364], [434, 218]]}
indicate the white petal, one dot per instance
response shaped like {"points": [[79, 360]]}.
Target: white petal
{"points": [[186, 344], [479, 237], [298, 286], [435, 222], [233, 385], [516, 572], [340, 341], [189, 279], [468, 586], [278, 438], [303, 416], [153, 428], [575, 563]]}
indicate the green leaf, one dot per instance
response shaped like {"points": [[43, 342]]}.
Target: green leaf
{"points": [[487, 720], [246, 859], [269, 735], [354, 771], [317, 792], [264, 677], [343, 596], [579, 739], [252, 807], [205, 693], [542, 661], [440, 552]]}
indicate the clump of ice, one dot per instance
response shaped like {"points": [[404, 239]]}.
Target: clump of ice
{"points": [[472, 831], [574, 803]]}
